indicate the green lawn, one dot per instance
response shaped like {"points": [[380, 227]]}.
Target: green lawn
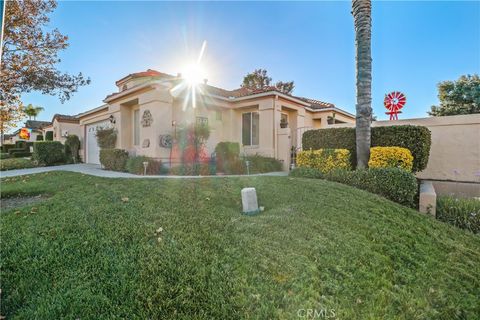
{"points": [[88, 252]]}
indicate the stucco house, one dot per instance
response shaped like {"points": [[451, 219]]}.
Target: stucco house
{"points": [[149, 106], [34, 127], [63, 125]]}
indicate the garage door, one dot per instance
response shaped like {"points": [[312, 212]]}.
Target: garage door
{"points": [[93, 151]]}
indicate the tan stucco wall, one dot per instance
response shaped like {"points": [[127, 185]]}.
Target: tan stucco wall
{"points": [[60, 127], [455, 150]]}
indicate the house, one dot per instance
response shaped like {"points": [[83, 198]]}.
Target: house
{"points": [[149, 106], [28, 132], [63, 125]]}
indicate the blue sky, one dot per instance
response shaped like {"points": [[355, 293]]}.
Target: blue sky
{"points": [[414, 46]]}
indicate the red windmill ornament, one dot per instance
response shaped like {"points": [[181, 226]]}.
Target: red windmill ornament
{"points": [[394, 101]]}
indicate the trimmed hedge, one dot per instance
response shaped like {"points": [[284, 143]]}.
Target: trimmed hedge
{"points": [[114, 159], [15, 150], [394, 184], [324, 159], [135, 165], [417, 139], [21, 154], [462, 213], [48, 152], [261, 164], [4, 155], [391, 157], [49, 136], [226, 152], [6, 147]]}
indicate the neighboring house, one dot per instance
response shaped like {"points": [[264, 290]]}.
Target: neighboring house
{"points": [[149, 106], [63, 125], [35, 128]]}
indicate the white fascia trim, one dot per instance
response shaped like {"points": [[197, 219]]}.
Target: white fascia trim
{"points": [[260, 95], [332, 109], [91, 111]]}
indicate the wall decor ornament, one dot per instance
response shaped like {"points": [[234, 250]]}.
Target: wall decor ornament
{"points": [[146, 143], [147, 118], [165, 141]]}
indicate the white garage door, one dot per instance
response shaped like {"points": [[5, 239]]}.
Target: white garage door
{"points": [[93, 151]]}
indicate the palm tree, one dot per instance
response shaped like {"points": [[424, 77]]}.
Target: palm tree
{"points": [[362, 17], [32, 111]]}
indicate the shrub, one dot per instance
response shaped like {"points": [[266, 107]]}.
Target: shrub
{"points": [[15, 150], [305, 172], [72, 145], [106, 137], [395, 184], [4, 155], [49, 136], [114, 159], [21, 144], [462, 213], [21, 154], [40, 137], [324, 160], [19, 163], [390, 157], [202, 169], [6, 147], [417, 139], [226, 152], [48, 152], [261, 164], [135, 165]]}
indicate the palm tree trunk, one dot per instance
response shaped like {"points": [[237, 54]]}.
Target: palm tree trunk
{"points": [[362, 16]]}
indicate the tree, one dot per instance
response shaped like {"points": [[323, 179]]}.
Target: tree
{"points": [[30, 54], [458, 97], [258, 80], [33, 112], [362, 17], [9, 117]]}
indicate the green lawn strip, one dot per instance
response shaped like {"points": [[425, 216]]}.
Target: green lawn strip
{"points": [[91, 251], [16, 163]]}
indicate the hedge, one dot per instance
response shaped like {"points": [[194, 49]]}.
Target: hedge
{"points": [[48, 152], [391, 157], [395, 184], [15, 150], [114, 159], [135, 165], [6, 147], [21, 154], [49, 136], [324, 159], [226, 152], [417, 139], [4, 155]]}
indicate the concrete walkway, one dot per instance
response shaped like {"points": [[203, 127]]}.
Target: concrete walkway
{"points": [[96, 170]]}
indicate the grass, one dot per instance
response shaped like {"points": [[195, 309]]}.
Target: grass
{"points": [[16, 163], [90, 251], [463, 213]]}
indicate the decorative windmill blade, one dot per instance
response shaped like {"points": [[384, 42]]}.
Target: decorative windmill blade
{"points": [[393, 102]]}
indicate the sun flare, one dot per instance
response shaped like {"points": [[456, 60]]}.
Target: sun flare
{"points": [[193, 74]]}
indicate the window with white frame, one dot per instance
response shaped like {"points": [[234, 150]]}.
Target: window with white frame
{"points": [[250, 128], [136, 127]]}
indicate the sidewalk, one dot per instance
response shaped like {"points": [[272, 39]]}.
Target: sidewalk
{"points": [[96, 170]]}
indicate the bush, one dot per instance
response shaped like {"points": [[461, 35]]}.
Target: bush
{"points": [[20, 163], [197, 169], [15, 150], [106, 137], [21, 154], [6, 147], [49, 136], [72, 145], [261, 164], [305, 172], [135, 165], [4, 155], [114, 159], [48, 152], [226, 152], [417, 139], [40, 137], [324, 160], [462, 213], [390, 157], [394, 184]]}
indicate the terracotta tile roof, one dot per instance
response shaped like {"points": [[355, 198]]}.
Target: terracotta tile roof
{"points": [[236, 93], [36, 125], [65, 117]]}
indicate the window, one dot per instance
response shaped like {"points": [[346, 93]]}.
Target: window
{"points": [[250, 128], [284, 120], [202, 121], [136, 127]]}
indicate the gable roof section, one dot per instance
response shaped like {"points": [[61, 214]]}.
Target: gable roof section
{"points": [[36, 125], [65, 118]]}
